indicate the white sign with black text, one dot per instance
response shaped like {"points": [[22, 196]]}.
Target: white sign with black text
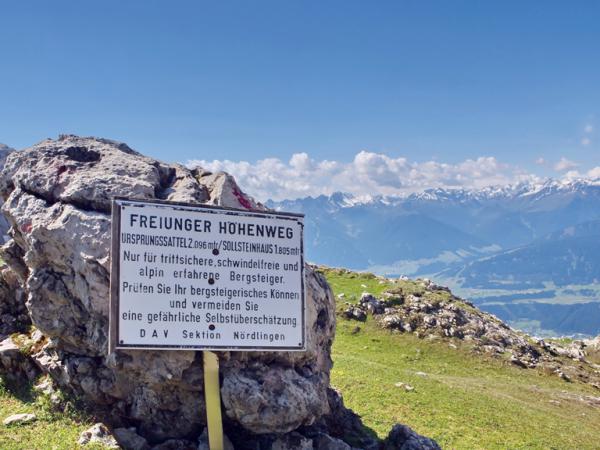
{"points": [[200, 277]]}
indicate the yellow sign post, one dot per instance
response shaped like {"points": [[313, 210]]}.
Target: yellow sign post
{"points": [[212, 395]]}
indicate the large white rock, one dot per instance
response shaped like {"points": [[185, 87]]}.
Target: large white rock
{"points": [[57, 200]]}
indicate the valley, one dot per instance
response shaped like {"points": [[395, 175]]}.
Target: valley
{"points": [[529, 253]]}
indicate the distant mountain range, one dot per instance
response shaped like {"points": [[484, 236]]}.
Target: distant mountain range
{"points": [[527, 243], [566, 257]]}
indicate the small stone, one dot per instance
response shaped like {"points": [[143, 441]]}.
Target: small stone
{"points": [[19, 419], [325, 442], [98, 434], [421, 374], [406, 387], [563, 375], [37, 336], [292, 441], [355, 313], [517, 362], [402, 437], [129, 439]]}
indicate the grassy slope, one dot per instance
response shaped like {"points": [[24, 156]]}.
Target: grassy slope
{"points": [[465, 400], [50, 431]]}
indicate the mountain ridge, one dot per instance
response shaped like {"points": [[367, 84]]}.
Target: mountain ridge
{"points": [[522, 189], [528, 243]]}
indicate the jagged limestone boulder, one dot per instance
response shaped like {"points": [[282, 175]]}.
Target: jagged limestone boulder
{"points": [[57, 200]]}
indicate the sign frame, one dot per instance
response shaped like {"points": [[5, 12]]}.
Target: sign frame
{"points": [[113, 328]]}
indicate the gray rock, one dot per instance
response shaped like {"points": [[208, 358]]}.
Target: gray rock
{"points": [[292, 441], [270, 411], [517, 362], [129, 439], [19, 419], [175, 444], [406, 387], [203, 442], [325, 442], [5, 150], [403, 438], [355, 313], [57, 200], [13, 313], [563, 376], [369, 303], [14, 363], [98, 434]]}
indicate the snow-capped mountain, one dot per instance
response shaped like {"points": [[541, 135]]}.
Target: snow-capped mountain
{"points": [[428, 224], [512, 238]]}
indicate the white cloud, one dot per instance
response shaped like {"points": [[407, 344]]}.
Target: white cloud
{"points": [[565, 164], [594, 173], [367, 174], [588, 128], [540, 161], [586, 141], [591, 174]]}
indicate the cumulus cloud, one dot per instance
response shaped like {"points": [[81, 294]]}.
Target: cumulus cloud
{"points": [[585, 141], [592, 174], [565, 164], [588, 128], [540, 161], [368, 173]]}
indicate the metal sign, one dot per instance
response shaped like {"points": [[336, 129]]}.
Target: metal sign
{"points": [[202, 277]]}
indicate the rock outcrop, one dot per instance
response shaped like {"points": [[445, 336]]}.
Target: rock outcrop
{"points": [[431, 311], [5, 150], [57, 200]]}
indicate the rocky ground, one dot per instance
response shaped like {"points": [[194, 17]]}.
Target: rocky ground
{"points": [[54, 296], [433, 312]]}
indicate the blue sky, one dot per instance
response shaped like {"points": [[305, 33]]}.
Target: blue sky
{"points": [[443, 81]]}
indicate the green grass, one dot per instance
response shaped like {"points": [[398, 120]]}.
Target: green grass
{"points": [[51, 430], [466, 400], [353, 284]]}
